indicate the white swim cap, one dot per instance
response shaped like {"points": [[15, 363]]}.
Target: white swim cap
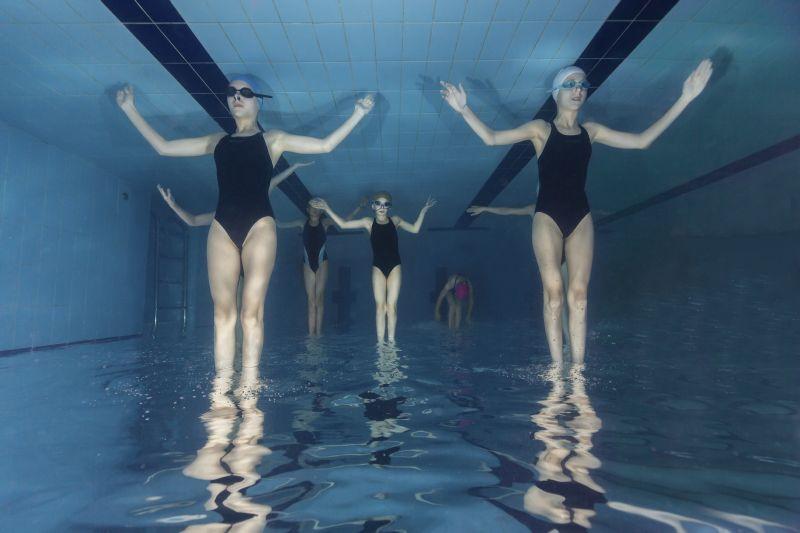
{"points": [[562, 75], [254, 82]]}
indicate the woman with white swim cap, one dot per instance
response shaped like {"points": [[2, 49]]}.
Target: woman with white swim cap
{"points": [[562, 222]]}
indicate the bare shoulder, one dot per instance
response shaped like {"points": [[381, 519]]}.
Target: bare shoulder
{"points": [[273, 135], [592, 128], [539, 128]]}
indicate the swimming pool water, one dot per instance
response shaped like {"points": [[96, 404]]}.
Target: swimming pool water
{"points": [[666, 428]]}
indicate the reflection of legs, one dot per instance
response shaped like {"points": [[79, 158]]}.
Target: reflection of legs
{"points": [[219, 421], [319, 294], [547, 246], [258, 258], [247, 452], [223, 279], [379, 292], [579, 248], [310, 281], [393, 283]]}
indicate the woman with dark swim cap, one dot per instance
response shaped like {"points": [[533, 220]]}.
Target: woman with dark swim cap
{"points": [[458, 292], [242, 235], [562, 223]]}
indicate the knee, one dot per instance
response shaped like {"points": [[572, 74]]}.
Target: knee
{"points": [[554, 296], [391, 309], [251, 318], [224, 316], [576, 297], [380, 308], [319, 300]]}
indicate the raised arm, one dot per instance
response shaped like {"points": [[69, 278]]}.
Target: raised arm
{"points": [[190, 219], [456, 97], [277, 180], [359, 223], [364, 202], [692, 87], [400, 223], [528, 210], [299, 223], [178, 148], [280, 141]]}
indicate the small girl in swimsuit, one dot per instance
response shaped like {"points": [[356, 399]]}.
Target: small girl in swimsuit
{"points": [[456, 290], [386, 269], [315, 260]]}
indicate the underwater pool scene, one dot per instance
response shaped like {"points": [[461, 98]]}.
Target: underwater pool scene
{"points": [[400, 266]]}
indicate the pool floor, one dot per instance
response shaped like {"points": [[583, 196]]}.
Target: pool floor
{"points": [[475, 431]]}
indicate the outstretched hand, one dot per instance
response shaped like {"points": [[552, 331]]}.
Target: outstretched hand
{"points": [[475, 210], [166, 194], [698, 79], [429, 203], [365, 104], [455, 96], [125, 97], [318, 203]]}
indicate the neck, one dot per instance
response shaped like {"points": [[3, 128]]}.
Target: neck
{"points": [[567, 118], [381, 218], [245, 125], [313, 220]]}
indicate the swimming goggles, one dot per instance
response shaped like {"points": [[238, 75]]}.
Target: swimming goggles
{"points": [[571, 84], [246, 92], [378, 205]]}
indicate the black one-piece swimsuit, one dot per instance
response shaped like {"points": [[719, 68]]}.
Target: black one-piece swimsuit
{"points": [[562, 178], [244, 170], [385, 248]]}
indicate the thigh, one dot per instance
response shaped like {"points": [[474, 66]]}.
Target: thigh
{"points": [[393, 283], [222, 257], [378, 285], [322, 278], [580, 251], [258, 259], [309, 280], [548, 245]]}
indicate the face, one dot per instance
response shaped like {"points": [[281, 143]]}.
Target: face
{"points": [[239, 106], [313, 212], [379, 205], [572, 98]]}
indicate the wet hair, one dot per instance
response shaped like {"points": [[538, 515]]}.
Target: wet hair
{"points": [[381, 194]]}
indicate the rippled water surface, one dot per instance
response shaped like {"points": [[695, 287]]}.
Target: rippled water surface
{"points": [[667, 427]]}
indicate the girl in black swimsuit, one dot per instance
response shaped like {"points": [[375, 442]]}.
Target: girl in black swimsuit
{"points": [[386, 269], [242, 234], [562, 223], [315, 261]]}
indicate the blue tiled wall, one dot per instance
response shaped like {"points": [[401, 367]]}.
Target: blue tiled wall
{"points": [[72, 247]]}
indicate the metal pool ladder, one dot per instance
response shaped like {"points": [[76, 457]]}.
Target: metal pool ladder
{"points": [[171, 255]]}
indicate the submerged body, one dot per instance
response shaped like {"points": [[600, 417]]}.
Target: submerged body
{"points": [[457, 292], [387, 272], [562, 223]]}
